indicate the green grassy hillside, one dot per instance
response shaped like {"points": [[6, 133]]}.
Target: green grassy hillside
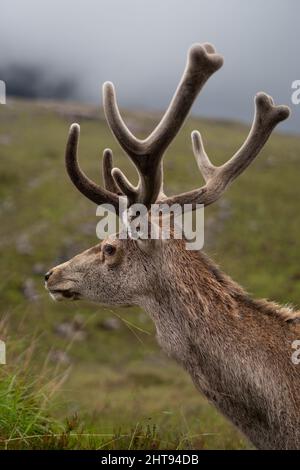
{"points": [[119, 383]]}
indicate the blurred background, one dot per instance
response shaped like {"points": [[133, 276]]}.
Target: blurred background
{"points": [[79, 375]]}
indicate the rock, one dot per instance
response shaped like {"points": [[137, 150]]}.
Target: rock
{"points": [[23, 245], [72, 330], [39, 268], [5, 139], [60, 357], [64, 329], [29, 290], [79, 322], [7, 205], [110, 324]]}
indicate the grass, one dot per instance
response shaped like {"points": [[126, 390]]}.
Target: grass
{"points": [[125, 392], [27, 412]]}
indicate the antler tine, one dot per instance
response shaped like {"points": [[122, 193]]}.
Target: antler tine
{"points": [[146, 154], [205, 166], [267, 116], [86, 186], [126, 139], [107, 166], [202, 62], [148, 186], [124, 185]]}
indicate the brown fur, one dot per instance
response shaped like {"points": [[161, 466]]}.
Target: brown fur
{"points": [[236, 349]]}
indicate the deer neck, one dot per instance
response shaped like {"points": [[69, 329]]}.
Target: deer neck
{"points": [[235, 349]]}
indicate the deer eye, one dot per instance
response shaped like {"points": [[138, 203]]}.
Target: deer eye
{"points": [[109, 249]]}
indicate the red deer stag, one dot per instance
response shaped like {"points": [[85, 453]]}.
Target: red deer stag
{"points": [[236, 349]]}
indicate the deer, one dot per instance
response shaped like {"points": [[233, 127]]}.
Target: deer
{"points": [[236, 349]]}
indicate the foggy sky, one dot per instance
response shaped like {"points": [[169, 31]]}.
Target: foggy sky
{"points": [[141, 46]]}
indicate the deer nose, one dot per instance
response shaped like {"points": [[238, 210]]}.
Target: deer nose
{"points": [[48, 274]]}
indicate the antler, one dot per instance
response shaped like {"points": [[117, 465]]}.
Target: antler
{"points": [[87, 187], [217, 179], [147, 154], [107, 166]]}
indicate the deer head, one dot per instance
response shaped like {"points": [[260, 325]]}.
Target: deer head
{"points": [[122, 272]]}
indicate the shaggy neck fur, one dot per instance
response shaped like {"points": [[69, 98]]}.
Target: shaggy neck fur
{"points": [[237, 350]]}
